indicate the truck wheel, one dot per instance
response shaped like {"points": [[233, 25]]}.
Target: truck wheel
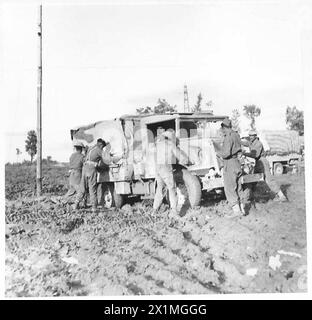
{"points": [[188, 188], [278, 168], [111, 198]]}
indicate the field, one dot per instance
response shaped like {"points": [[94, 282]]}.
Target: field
{"points": [[53, 251]]}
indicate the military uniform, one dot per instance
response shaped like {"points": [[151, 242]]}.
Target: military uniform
{"points": [[230, 153], [262, 164], [75, 165], [167, 154], [89, 174]]}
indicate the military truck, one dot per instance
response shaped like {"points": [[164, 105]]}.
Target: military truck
{"points": [[132, 140], [283, 149]]}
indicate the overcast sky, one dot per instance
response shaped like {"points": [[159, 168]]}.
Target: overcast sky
{"points": [[102, 61]]}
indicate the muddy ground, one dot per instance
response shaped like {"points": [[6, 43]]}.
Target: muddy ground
{"points": [[53, 251]]}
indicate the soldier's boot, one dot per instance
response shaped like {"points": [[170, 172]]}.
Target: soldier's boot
{"points": [[236, 212], [280, 197]]}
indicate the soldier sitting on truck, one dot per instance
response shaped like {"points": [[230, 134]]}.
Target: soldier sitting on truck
{"points": [[262, 164], [89, 172], [167, 154]]}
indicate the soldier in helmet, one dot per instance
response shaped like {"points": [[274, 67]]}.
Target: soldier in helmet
{"points": [[75, 165], [256, 151], [230, 153]]}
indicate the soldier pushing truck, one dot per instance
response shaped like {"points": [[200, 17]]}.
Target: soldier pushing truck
{"points": [[167, 154]]}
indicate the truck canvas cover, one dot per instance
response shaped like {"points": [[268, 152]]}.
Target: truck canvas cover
{"points": [[110, 130], [281, 142]]}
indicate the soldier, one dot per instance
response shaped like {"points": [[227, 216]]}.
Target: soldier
{"points": [[166, 155], [89, 172], [75, 166], [230, 153], [256, 151]]}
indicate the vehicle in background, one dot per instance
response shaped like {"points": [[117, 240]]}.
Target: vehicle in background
{"points": [[283, 149]]}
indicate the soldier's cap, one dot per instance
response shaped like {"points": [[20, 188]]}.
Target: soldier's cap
{"points": [[78, 144], [252, 133], [226, 123], [101, 141]]}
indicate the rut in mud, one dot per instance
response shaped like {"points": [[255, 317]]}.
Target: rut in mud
{"points": [[52, 250]]}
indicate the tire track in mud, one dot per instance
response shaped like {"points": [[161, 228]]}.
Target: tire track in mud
{"points": [[159, 273], [174, 257], [207, 259], [131, 252], [174, 266], [151, 251]]}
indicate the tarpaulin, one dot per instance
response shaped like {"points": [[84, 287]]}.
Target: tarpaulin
{"points": [[280, 141], [111, 131]]}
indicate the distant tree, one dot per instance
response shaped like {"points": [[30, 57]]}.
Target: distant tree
{"points": [[209, 104], [251, 112], [235, 120], [48, 161], [162, 107], [18, 153], [144, 110], [31, 144], [295, 120], [197, 106]]}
